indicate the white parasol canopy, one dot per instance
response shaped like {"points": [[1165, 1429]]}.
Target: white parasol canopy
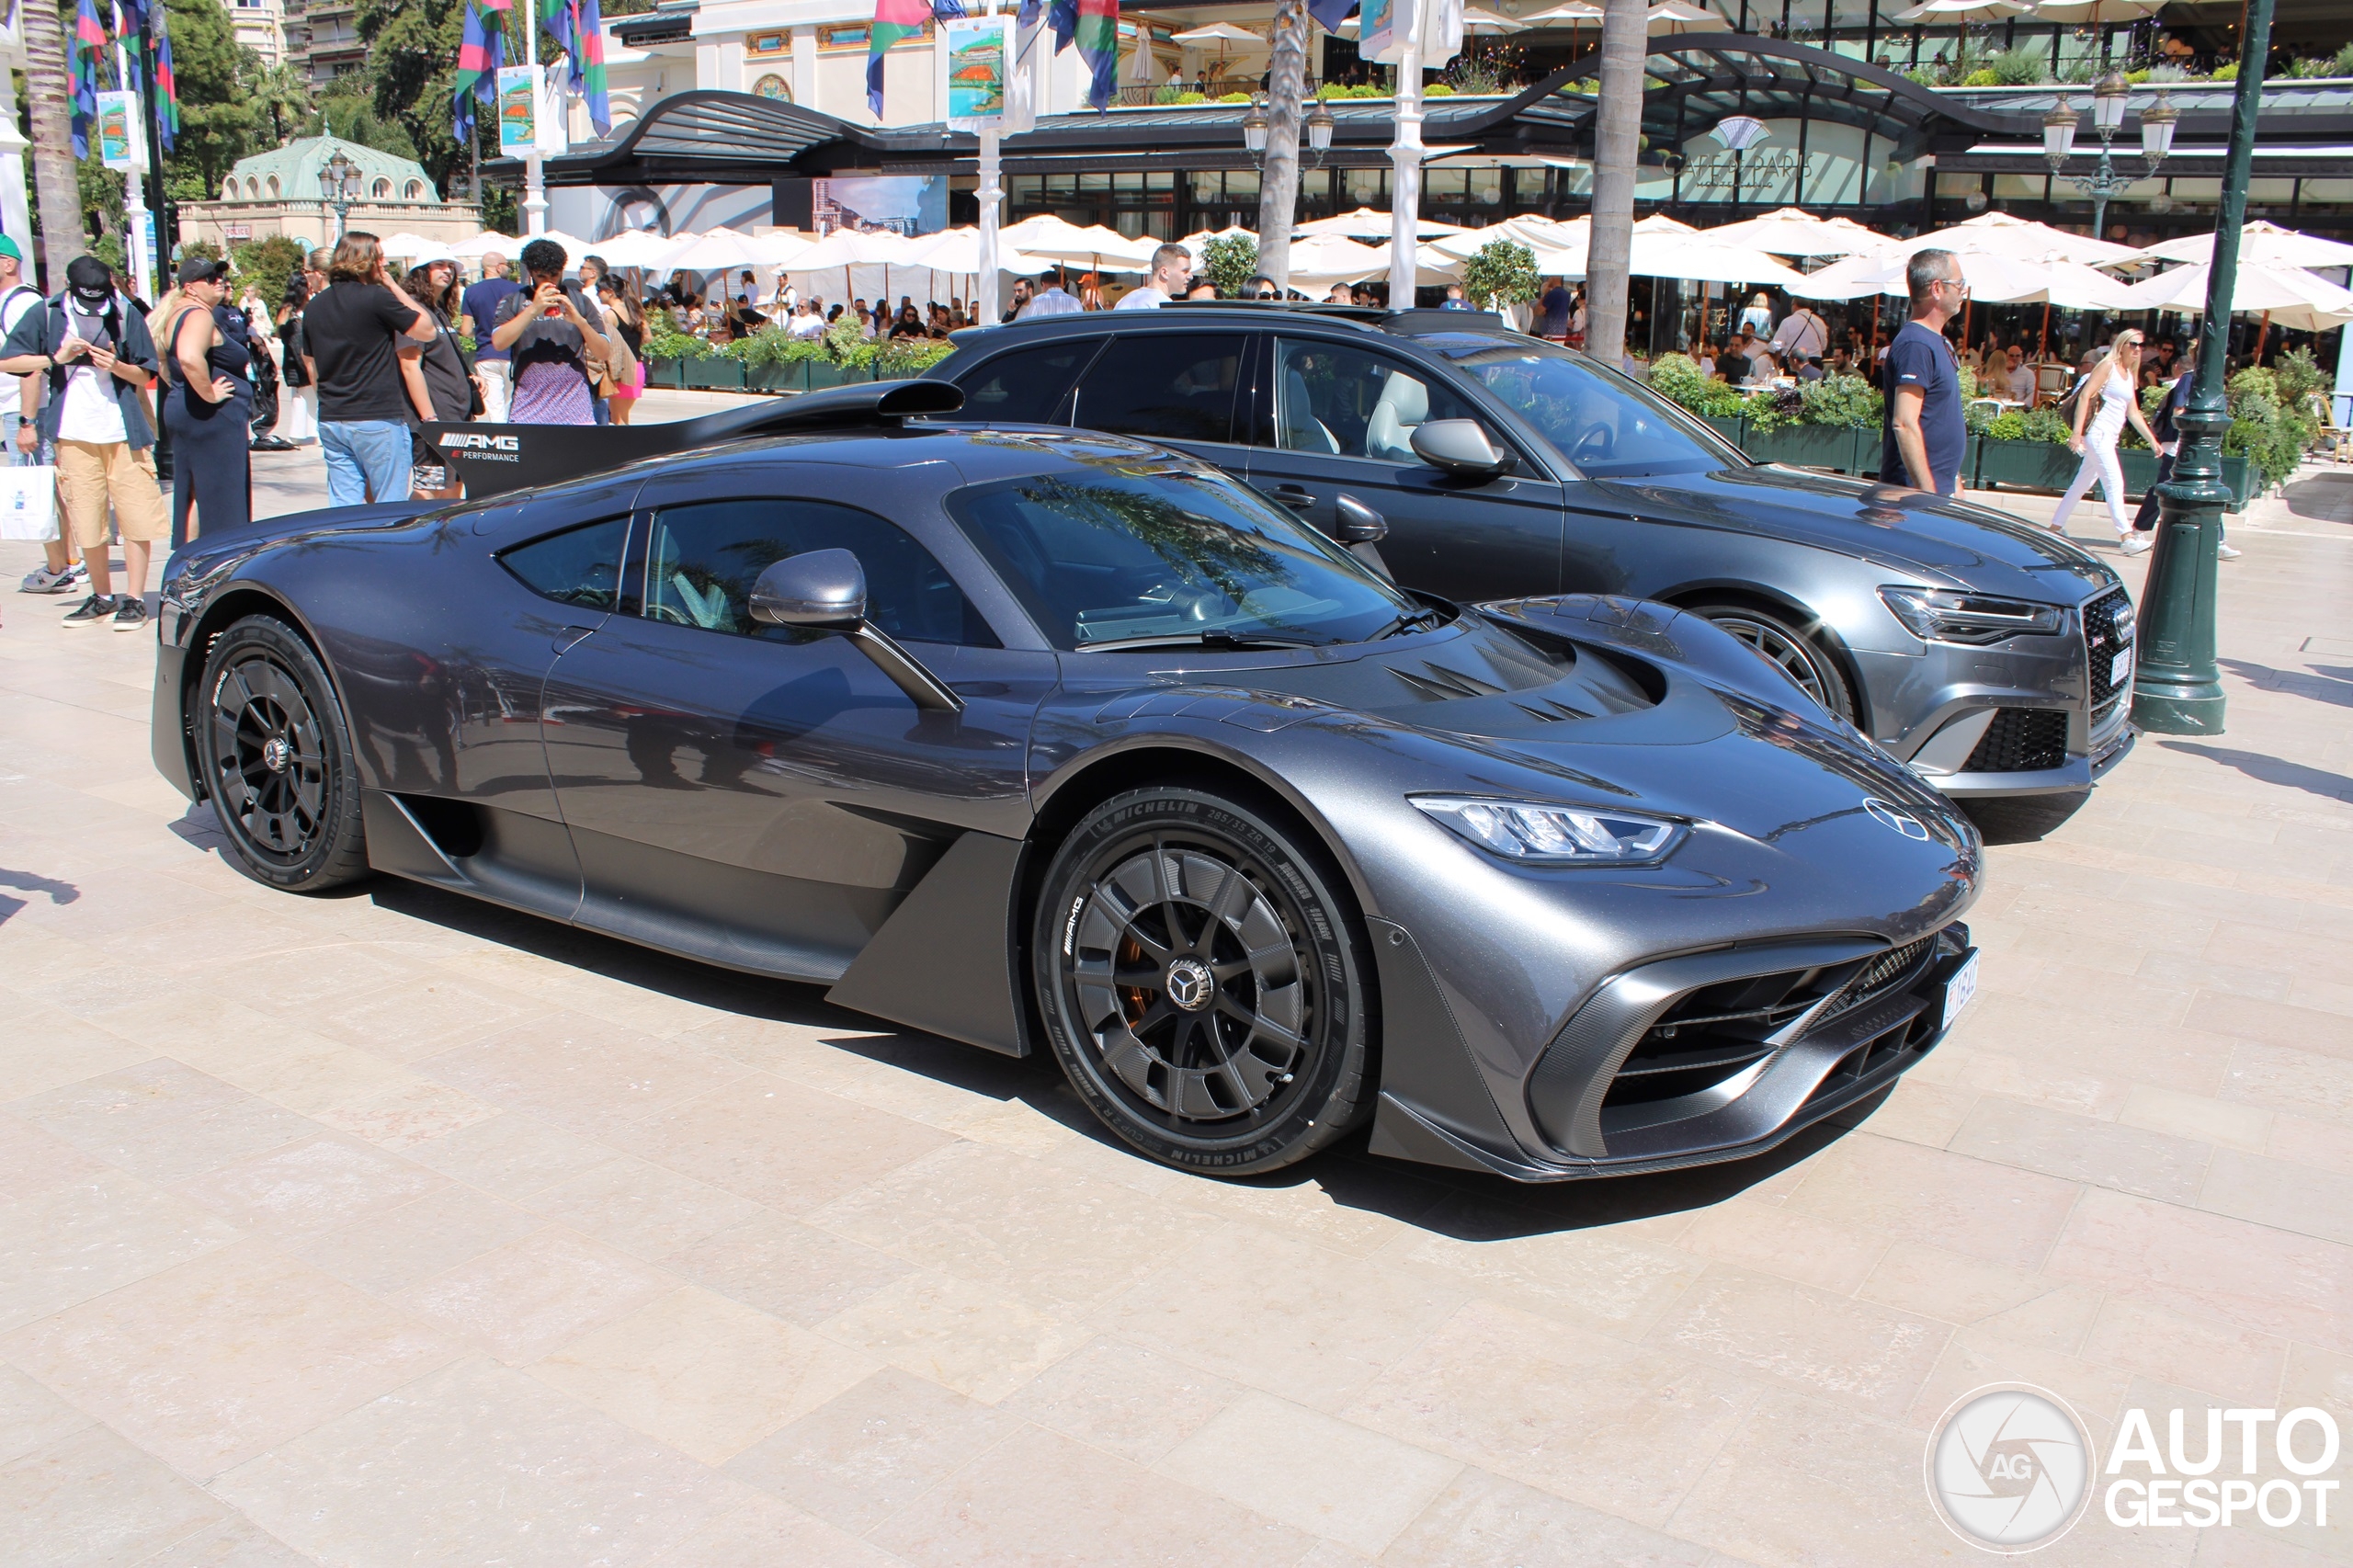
{"points": [[1475, 20], [1792, 231], [1364, 224], [1674, 16], [2097, 12], [403, 245], [2288, 295], [637, 247], [1051, 239], [1573, 12], [2260, 245], [1662, 249], [846, 247], [959, 250], [1932, 12], [712, 251], [1218, 33], [1321, 260], [2020, 239], [1993, 279], [507, 245]]}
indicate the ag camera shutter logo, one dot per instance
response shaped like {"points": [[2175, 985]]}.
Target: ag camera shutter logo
{"points": [[2008, 1468]]}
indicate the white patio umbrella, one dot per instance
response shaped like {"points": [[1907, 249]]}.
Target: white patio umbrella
{"points": [[637, 247], [2074, 13], [2260, 245], [1364, 224], [1321, 260], [1223, 34], [959, 250], [1475, 20], [2285, 296], [491, 240], [1048, 238], [1675, 16], [713, 250], [1792, 231], [403, 245], [2020, 239], [1992, 278], [1932, 12], [846, 247]]}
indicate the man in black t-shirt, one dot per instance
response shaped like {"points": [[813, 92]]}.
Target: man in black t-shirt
{"points": [[353, 337]]}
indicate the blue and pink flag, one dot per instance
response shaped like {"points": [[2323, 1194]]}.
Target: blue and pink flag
{"points": [[579, 30], [168, 87], [1097, 37], [83, 53], [480, 51], [895, 19]]}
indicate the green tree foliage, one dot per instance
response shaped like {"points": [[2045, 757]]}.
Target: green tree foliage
{"points": [[411, 74], [1502, 272], [217, 124], [279, 96], [267, 265], [1231, 261], [356, 119]]}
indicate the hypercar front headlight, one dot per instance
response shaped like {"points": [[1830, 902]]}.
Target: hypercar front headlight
{"points": [[1940, 615], [1532, 832]]}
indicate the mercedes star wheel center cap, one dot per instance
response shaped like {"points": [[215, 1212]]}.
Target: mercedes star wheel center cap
{"points": [[1190, 985], [274, 754]]}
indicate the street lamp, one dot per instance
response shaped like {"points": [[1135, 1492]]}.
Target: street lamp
{"points": [[2108, 99], [1320, 124], [1254, 126], [339, 188]]}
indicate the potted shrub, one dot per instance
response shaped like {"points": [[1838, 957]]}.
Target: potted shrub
{"points": [[1842, 415], [1677, 379], [2026, 452]]}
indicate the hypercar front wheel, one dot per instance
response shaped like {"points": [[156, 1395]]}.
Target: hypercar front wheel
{"points": [[276, 757], [1204, 982]]}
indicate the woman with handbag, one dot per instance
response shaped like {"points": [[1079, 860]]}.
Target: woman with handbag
{"points": [[207, 402], [626, 341], [2105, 402], [302, 403], [439, 379]]}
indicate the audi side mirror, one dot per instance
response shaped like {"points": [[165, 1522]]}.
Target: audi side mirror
{"points": [[825, 590], [1357, 523], [1462, 446], [820, 590]]}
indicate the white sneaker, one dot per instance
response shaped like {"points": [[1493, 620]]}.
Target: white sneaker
{"points": [[41, 580], [2227, 551], [2133, 543]]}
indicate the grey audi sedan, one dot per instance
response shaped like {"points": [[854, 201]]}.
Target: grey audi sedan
{"points": [[1993, 657]]}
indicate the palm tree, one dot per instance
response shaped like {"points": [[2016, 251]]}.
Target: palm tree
{"points": [[281, 92], [1617, 143], [56, 179], [1278, 180]]}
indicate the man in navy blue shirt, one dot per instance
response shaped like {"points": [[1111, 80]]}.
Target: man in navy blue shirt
{"points": [[479, 306], [1924, 436]]}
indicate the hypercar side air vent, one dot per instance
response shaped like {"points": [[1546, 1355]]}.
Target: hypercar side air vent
{"points": [[1549, 711], [1442, 685]]}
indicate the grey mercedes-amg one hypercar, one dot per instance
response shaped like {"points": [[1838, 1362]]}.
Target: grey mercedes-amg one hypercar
{"points": [[1040, 739]]}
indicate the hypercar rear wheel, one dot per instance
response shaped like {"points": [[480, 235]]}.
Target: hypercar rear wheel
{"points": [[1789, 648], [1204, 981], [276, 757]]}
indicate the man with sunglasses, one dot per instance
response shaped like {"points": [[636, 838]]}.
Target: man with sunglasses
{"points": [[1925, 435]]}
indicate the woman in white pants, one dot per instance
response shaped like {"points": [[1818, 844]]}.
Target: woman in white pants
{"points": [[2106, 401]]}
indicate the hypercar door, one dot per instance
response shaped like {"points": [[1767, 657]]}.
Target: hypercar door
{"points": [[761, 796], [1336, 418]]}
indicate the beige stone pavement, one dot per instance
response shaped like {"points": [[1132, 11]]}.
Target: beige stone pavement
{"points": [[386, 1228]]}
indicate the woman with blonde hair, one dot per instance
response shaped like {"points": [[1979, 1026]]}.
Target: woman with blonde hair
{"points": [[2108, 399]]}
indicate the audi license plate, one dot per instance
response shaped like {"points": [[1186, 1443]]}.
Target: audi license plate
{"points": [[2120, 670], [1959, 989]]}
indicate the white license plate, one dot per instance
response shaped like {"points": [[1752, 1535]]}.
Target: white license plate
{"points": [[2119, 669], [1959, 989]]}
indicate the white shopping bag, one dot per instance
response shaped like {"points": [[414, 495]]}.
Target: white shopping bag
{"points": [[28, 503]]}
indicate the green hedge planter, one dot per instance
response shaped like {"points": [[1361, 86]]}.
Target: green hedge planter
{"points": [[1732, 427], [666, 373], [824, 373], [2024, 465], [714, 375], [1833, 446]]}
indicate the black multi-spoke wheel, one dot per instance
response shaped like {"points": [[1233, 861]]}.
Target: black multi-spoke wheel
{"points": [[277, 759], [1801, 657], [1203, 981]]}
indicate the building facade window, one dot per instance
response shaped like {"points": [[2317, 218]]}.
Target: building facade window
{"points": [[274, 187], [380, 190]]}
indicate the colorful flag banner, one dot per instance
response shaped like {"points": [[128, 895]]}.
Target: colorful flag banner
{"points": [[579, 32], [1330, 13], [168, 91], [1097, 35], [895, 19], [480, 51], [83, 50]]}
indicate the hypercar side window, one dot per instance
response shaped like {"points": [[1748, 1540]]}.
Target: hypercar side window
{"points": [[701, 561], [1341, 401], [1031, 386], [1164, 386], [579, 566]]}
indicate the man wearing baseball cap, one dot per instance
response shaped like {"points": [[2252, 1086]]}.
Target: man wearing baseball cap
{"points": [[19, 444], [94, 351]]}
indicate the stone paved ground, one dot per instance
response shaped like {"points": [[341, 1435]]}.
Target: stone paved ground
{"points": [[389, 1229]]}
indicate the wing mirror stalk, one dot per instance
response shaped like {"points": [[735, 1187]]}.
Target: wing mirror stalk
{"points": [[825, 590], [1360, 529], [1462, 447]]}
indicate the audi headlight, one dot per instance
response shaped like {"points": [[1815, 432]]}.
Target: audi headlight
{"points": [[1531, 832], [1941, 614]]}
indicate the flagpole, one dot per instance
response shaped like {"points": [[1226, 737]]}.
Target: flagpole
{"points": [[992, 192], [134, 206], [534, 195]]}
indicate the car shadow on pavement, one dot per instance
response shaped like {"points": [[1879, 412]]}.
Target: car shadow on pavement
{"points": [[2271, 769]]}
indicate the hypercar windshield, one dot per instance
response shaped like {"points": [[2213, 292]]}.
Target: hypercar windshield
{"points": [[1143, 550], [1608, 427]]}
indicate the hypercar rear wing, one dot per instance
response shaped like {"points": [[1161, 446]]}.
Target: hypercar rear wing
{"points": [[492, 459]]}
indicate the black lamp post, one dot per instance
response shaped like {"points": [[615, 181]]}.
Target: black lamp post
{"points": [[2176, 689], [2108, 96], [339, 188]]}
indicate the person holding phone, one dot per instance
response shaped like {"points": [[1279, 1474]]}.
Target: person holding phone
{"points": [[354, 336], [555, 338]]}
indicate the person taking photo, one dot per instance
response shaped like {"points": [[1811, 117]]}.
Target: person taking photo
{"points": [[354, 333]]}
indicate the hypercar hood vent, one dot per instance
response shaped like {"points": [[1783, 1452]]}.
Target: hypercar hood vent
{"points": [[1439, 684]]}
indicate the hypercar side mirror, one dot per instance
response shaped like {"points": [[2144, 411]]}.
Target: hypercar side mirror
{"points": [[825, 590], [1357, 523], [1462, 446]]}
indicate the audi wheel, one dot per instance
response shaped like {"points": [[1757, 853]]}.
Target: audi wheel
{"points": [[1790, 650], [1205, 982]]}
